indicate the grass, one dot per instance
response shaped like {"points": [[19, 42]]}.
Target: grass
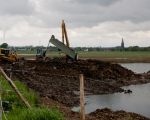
{"points": [[114, 54], [31, 55], [9, 95], [36, 114], [96, 54], [18, 111]]}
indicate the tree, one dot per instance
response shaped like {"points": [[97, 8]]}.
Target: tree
{"points": [[4, 45]]}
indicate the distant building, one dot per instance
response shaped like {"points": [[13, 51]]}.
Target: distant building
{"points": [[86, 50], [122, 44]]}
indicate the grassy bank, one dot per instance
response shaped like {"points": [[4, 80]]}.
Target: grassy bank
{"points": [[118, 56], [17, 110]]}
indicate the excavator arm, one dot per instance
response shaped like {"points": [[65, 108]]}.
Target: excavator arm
{"points": [[68, 51]]}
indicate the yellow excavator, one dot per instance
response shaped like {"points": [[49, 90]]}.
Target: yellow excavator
{"points": [[7, 55]]}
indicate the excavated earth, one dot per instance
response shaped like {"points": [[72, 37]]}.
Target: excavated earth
{"points": [[107, 114], [59, 81]]}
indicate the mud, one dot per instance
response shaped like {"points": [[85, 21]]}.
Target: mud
{"points": [[99, 114], [107, 114], [59, 81]]}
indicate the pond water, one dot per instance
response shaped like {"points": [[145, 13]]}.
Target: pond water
{"points": [[137, 67], [138, 101]]}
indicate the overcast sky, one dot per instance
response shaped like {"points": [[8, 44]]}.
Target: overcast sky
{"points": [[89, 23]]}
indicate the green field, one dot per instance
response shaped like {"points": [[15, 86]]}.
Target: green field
{"points": [[114, 54], [137, 55]]}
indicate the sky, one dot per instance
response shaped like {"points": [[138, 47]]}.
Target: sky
{"points": [[90, 23]]}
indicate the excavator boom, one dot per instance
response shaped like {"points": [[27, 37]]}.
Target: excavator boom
{"points": [[68, 51]]}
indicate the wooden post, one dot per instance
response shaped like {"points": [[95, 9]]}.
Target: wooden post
{"points": [[62, 28], [15, 88], [82, 110]]}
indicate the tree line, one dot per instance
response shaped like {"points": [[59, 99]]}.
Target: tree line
{"points": [[52, 48]]}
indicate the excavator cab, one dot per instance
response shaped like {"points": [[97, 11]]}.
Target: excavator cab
{"points": [[41, 54], [7, 55]]}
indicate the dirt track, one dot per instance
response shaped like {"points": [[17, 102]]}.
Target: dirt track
{"points": [[59, 81]]}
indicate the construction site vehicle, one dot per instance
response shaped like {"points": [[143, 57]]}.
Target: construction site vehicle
{"points": [[7, 55], [64, 34], [41, 54], [64, 46], [70, 53]]}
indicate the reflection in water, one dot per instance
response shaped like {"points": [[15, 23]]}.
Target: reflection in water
{"points": [[138, 101], [137, 67]]}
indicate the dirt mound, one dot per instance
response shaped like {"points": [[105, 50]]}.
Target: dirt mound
{"points": [[107, 114], [59, 80]]}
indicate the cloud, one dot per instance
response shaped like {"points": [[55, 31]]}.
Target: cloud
{"points": [[89, 22], [105, 34], [108, 34], [15, 7], [79, 13], [99, 2]]}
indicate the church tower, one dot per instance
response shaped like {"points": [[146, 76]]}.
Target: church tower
{"points": [[122, 44]]}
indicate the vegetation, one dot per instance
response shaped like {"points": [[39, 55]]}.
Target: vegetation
{"points": [[101, 54], [17, 110], [114, 54], [36, 114], [9, 95], [4, 45], [134, 52]]}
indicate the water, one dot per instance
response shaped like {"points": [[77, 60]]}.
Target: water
{"points": [[137, 102], [137, 67]]}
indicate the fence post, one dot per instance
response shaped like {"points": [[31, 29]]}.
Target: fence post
{"points": [[82, 110]]}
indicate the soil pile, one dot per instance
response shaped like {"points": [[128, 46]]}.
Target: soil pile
{"points": [[99, 114], [107, 114], [59, 80]]}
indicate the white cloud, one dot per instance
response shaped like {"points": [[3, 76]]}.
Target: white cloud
{"points": [[89, 23], [15, 7]]}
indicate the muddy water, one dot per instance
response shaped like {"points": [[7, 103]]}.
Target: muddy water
{"points": [[138, 101], [137, 67]]}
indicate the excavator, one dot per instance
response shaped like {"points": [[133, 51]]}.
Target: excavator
{"points": [[70, 53], [7, 55], [64, 46], [41, 54]]}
